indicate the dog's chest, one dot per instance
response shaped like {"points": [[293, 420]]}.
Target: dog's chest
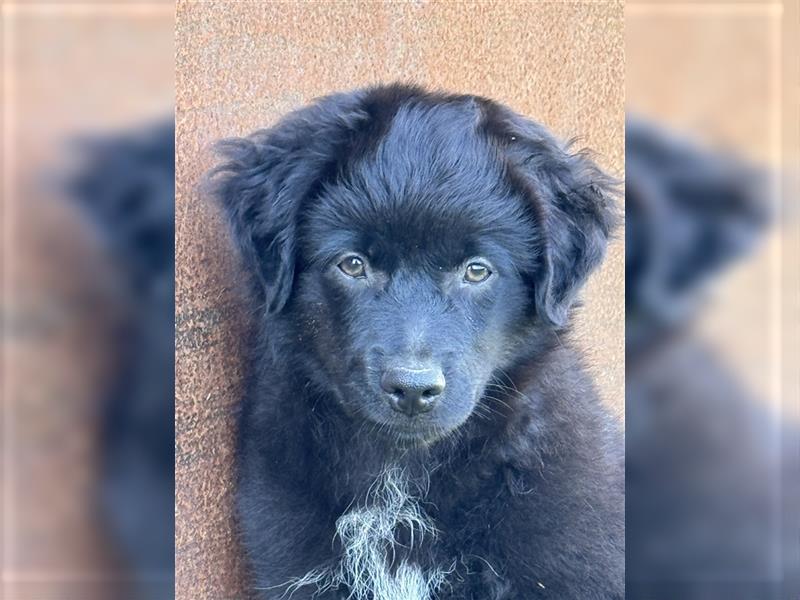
{"points": [[382, 542], [384, 547]]}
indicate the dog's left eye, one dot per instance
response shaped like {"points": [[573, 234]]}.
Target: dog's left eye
{"points": [[477, 273], [353, 266]]}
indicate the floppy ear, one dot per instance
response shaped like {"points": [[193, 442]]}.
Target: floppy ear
{"points": [[265, 178], [574, 200]]}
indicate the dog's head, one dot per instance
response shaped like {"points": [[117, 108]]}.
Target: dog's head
{"points": [[416, 242]]}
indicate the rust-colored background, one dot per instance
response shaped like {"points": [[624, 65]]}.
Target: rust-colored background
{"points": [[241, 66]]}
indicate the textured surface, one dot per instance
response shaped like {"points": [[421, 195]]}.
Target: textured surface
{"points": [[240, 66]]}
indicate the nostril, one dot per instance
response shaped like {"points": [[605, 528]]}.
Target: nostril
{"points": [[436, 386]]}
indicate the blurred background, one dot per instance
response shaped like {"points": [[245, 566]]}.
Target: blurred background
{"points": [[87, 367], [712, 299]]}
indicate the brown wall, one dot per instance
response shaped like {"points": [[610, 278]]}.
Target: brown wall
{"points": [[240, 66]]}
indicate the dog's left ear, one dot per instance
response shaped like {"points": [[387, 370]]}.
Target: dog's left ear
{"points": [[574, 201]]}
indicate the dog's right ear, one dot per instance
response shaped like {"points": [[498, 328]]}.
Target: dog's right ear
{"points": [[574, 204], [265, 178]]}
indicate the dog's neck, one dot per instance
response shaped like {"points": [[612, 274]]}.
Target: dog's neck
{"points": [[349, 462]]}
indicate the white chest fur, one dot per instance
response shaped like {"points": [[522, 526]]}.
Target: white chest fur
{"points": [[368, 536]]}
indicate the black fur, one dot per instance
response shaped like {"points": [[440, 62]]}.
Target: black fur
{"points": [[518, 464]]}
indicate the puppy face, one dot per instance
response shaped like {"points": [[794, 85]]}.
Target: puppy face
{"points": [[415, 242], [411, 287]]}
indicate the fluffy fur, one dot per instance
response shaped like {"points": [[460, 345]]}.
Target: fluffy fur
{"points": [[368, 535], [509, 486]]}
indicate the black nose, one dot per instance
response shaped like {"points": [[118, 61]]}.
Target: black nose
{"points": [[412, 391]]}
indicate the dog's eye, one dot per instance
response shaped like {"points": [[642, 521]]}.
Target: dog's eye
{"points": [[477, 273], [353, 266]]}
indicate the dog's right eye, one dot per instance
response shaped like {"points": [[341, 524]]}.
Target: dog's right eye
{"points": [[353, 266], [477, 273]]}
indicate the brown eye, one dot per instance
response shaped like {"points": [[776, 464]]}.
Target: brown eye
{"points": [[353, 266], [476, 273]]}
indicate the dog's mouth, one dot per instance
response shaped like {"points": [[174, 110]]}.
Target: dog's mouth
{"points": [[405, 430], [417, 430], [411, 434], [419, 434]]}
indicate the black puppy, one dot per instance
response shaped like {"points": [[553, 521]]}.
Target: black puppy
{"points": [[415, 428]]}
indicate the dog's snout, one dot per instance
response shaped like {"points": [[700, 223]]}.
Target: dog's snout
{"points": [[413, 390]]}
